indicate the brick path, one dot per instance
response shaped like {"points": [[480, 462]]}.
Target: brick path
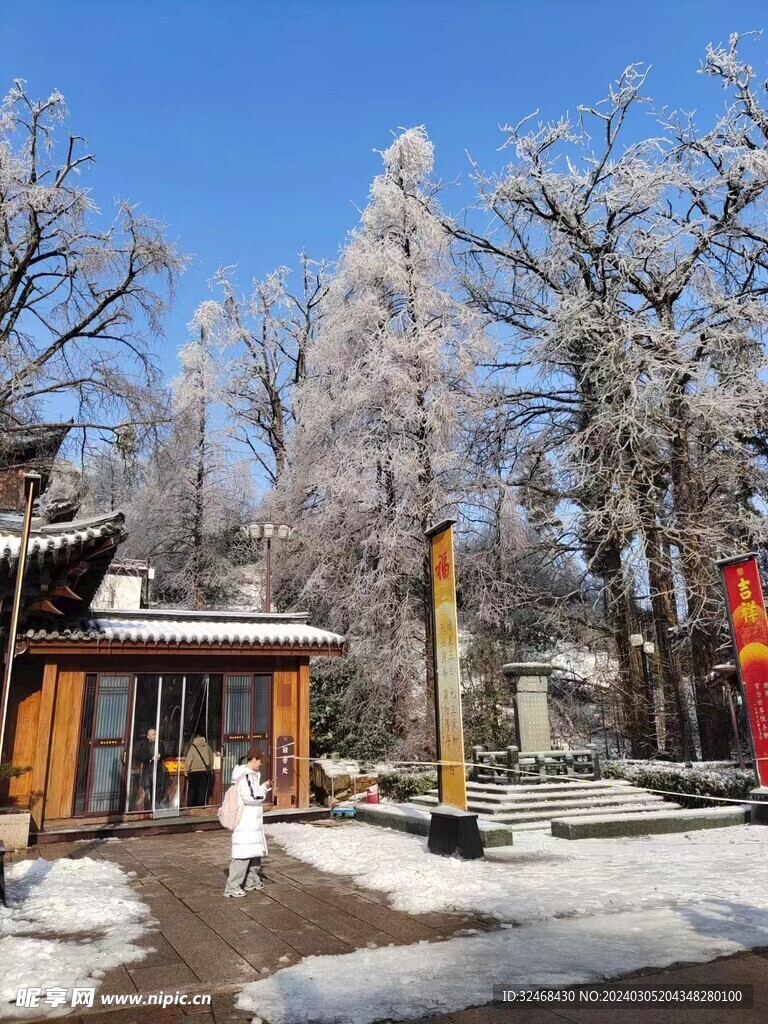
{"points": [[206, 944]]}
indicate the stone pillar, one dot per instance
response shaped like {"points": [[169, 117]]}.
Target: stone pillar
{"points": [[529, 682]]}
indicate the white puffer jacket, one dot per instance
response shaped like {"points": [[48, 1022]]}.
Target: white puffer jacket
{"points": [[248, 838]]}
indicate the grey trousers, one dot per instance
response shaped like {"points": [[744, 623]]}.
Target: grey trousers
{"points": [[244, 874]]}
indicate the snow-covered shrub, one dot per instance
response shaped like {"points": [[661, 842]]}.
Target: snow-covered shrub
{"points": [[401, 785], [698, 780]]}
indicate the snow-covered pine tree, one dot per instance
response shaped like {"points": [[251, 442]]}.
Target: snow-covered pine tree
{"points": [[376, 453]]}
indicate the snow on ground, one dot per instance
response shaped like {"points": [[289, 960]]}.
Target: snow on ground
{"points": [[540, 877], [399, 983], [570, 912], [66, 924]]}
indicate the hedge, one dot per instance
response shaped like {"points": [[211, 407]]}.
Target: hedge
{"points": [[713, 780], [401, 785]]}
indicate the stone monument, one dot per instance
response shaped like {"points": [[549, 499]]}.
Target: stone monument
{"points": [[529, 682]]}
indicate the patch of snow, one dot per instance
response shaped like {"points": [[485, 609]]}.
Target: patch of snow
{"points": [[569, 913], [67, 923], [403, 983], [541, 877]]}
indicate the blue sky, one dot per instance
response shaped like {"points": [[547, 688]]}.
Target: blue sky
{"points": [[249, 126]]}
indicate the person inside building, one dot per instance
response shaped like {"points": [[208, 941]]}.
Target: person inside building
{"points": [[147, 754], [249, 844], [198, 769]]}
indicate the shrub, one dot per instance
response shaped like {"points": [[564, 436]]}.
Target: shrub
{"points": [[698, 780], [334, 721], [400, 785]]}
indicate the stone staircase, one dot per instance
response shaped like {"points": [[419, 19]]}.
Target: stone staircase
{"points": [[534, 806]]}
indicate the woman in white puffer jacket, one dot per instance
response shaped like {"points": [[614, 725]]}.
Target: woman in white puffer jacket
{"points": [[249, 844]]}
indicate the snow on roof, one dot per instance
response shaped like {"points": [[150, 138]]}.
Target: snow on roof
{"points": [[56, 538], [180, 626]]}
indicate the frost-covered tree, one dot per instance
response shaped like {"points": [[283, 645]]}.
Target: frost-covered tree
{"points": [[78, 297], [269, 334], [194, 497], [630, 277], [376, 454]]}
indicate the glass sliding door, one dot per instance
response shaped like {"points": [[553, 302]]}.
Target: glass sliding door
{"points": [[156, 765], [247, 703], [168, 763], [141, 788], [201, 744]]}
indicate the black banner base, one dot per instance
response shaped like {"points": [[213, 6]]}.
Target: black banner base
{"points": [[455, 831]]}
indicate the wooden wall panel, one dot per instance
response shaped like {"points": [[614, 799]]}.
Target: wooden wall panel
{"points": [[43, 744], [284, 717], [21, 730], [24, 745], [64, 744], [302, 734]]}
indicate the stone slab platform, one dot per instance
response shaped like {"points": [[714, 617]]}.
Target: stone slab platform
{"points": [[416, 821], [609, 826]]}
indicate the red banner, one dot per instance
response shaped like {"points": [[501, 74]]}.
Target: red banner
{"points": [[749, 627]]}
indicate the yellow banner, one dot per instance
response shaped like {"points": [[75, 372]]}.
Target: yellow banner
{"points": [[450, 733]]}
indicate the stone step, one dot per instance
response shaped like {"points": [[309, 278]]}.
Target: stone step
{"points": [[416, 820], [507, 793], [543, 789], [553, 805], [674, 820], [583, 812], [561, 807]]}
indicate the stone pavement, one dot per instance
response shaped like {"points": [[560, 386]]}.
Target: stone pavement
{"points": [[206, 944]]}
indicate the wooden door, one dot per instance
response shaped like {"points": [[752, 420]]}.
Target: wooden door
{"points": [[247, 720]]}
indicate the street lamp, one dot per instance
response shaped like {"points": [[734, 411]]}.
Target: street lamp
{"points": [[647, 647], [268, 532]]}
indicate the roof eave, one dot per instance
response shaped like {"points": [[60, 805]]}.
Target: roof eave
{"points": [[103, 645]]}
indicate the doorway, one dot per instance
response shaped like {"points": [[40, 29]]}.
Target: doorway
{"points": [[247, 705], [156, 738], [101, 759]]}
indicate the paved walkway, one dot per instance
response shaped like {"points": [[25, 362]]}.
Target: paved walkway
{"points": [[206, 944]]}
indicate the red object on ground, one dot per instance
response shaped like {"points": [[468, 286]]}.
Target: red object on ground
{"points": [[372, 795]]}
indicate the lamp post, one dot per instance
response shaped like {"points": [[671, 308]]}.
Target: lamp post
{"points": [[646, 648], [31, 490], [268, 532]]}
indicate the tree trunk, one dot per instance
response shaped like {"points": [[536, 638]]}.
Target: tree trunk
{"points": [[661, 582], [637, 711]]}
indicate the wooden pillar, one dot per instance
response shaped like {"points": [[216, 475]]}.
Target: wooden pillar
{"points": [[65, 740], [38, 784], [284, 724], [302, 734]]}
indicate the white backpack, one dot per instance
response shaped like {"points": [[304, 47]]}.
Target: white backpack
{"points": [[229, 812]]}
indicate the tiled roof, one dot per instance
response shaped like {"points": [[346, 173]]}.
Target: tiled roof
{"points": [[57, 539], [157, 626]]}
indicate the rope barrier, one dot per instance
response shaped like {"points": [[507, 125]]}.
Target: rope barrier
{"points": [[558, 779]]}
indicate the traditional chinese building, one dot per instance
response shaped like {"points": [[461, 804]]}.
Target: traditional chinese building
{"points": [[105, 704]]}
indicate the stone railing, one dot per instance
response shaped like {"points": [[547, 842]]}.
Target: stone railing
{"points": [[514, 767]]}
